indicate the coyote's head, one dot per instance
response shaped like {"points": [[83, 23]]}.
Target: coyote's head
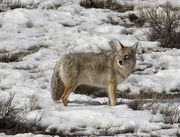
{"points": [[125, 57]]}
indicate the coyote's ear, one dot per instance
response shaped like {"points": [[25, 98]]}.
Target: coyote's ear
{"points": [[120, 46], [134, 47], [116, 45]]}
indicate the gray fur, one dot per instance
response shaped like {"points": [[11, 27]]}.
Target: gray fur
{"points": [[93, 69], [57, 86]]}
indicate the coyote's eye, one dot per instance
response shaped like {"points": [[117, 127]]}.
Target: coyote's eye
{"points": [[126, 57]]}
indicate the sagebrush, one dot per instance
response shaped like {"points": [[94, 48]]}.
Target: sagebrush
{"points": [[163, 22], [12, 122]]}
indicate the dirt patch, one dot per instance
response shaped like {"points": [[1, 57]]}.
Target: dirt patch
{"points": [[138, 21], [17, 56], [151, 95], [102, 92], [133, 21], [91, 91], [106, 4]]}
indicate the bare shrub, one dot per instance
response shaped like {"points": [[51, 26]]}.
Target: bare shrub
{"points": [[163, 24], [106, 4], [9, 114], [141, 103], [11, 121], [154, 108], [136, 104], [170, 113]]}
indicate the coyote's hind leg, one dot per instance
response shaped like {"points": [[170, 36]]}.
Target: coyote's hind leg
{"points": [[69, 87]]}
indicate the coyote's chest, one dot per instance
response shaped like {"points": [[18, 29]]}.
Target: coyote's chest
{"points": [[120, 78]]}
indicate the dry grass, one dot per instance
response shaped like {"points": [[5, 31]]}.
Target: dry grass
{"points": [[11, 121], [106, 4], [140, 102], [163, 25], [109, 132], [10, 5], [102, 92], [143, 101], [169, 111], [9, 114], [147, 95], [136, 104], [17, 56]]}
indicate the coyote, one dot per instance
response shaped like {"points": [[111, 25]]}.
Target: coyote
{"points": [[93, 69]]}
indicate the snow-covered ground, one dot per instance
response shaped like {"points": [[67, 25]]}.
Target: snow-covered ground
{"points": [[72, 28]]}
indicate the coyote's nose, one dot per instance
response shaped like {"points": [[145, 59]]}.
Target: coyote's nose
{"points": [[120, 62]]}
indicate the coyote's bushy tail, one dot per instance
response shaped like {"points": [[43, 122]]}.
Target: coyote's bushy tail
{"points": [[57, 86]]}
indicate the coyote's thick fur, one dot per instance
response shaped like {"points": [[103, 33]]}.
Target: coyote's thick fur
{"points": [[93, 69]]}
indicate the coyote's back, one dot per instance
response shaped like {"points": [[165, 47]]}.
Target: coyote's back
{"points": [[93, 69]]}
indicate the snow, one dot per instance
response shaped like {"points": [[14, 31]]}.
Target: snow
{"points": [[72, 28], [95, 116], [24, 135], [156, 3]]}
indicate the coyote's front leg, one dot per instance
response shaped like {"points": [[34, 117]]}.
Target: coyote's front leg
{"points": [[111, 92]]}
